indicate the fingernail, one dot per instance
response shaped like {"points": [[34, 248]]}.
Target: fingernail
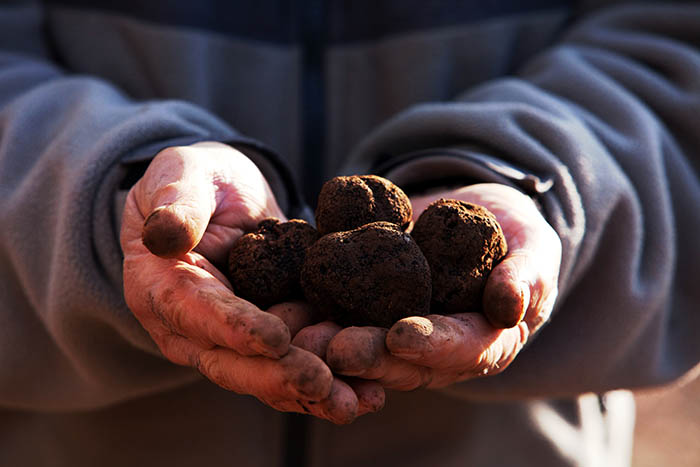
{"points": [[165, 234], [505, 306], [409, 339]]}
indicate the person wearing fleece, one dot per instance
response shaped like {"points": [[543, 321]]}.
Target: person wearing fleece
{"points": [[576, 123]]}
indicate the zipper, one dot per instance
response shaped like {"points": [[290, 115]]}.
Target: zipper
{"points": [[312, 34], [312, 29]]}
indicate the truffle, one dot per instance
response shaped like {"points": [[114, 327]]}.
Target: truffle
{"points": [[346, 203], [264, 265], [370, 276], [462, 243]]}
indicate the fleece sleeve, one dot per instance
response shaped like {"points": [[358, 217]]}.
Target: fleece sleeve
{"points": [[67, 339], [609, 120]]}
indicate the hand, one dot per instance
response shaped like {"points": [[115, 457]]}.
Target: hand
{"points": [[436, 351], [190, 206], [370, 394]]}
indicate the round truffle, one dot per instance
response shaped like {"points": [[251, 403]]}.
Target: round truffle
{"points": [[264, 265], [346, 203], [462, 243], [370, 276]]}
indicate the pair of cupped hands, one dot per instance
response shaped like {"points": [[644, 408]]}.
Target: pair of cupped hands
{"points": [[193, 202]]}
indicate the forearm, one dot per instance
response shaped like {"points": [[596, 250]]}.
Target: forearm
{"points": [[68, 143], [609, 116]]}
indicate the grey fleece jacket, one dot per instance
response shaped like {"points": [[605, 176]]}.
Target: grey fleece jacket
{"points": [[594, 111]]}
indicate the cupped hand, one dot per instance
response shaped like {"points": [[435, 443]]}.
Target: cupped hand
{"points": [[179, 220], [436, 351]]}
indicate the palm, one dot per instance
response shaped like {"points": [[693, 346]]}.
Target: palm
{"points": [[238, 210], [186, 211], [525, 232], [436, 350], [222, 195]]}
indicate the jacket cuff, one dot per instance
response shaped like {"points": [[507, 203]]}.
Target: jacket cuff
{"points": [[278, 176], [420, 171]]}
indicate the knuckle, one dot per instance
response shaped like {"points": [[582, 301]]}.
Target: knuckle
{"points": [[166, 311], [207, 363], [425, 377], [488, 363], [419, 378], [170, 348], [404, 379], [175, 321]]}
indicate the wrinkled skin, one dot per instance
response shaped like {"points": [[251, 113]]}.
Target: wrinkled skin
{"points": [[182, 217], [436, 351]]}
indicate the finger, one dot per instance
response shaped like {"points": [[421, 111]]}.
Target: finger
{"points": [[176, 297], [296, 315], [177, 199], [370, 395], [316, 338], [243, 198], [507, 294], [299, 382], [465, 342], [360, 352], [219, 238], [524, 285], [299, 375], [200, 261], [340, 407]]}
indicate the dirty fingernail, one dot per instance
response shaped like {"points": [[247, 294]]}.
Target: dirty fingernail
{"points": [[506, 305], [408, 338]]}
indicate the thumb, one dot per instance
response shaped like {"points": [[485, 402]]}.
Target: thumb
{"points": [[171, 231], [524, 285], [507, 293], [177, 202]]}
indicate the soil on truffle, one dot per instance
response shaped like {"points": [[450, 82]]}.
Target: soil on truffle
{"points": [[370, 276], [264, 266], [462, 243], [346, 203]]}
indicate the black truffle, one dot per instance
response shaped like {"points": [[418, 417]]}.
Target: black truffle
{"points": [[346, 203], [462, 243], [370, 276], [264, 265]]}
